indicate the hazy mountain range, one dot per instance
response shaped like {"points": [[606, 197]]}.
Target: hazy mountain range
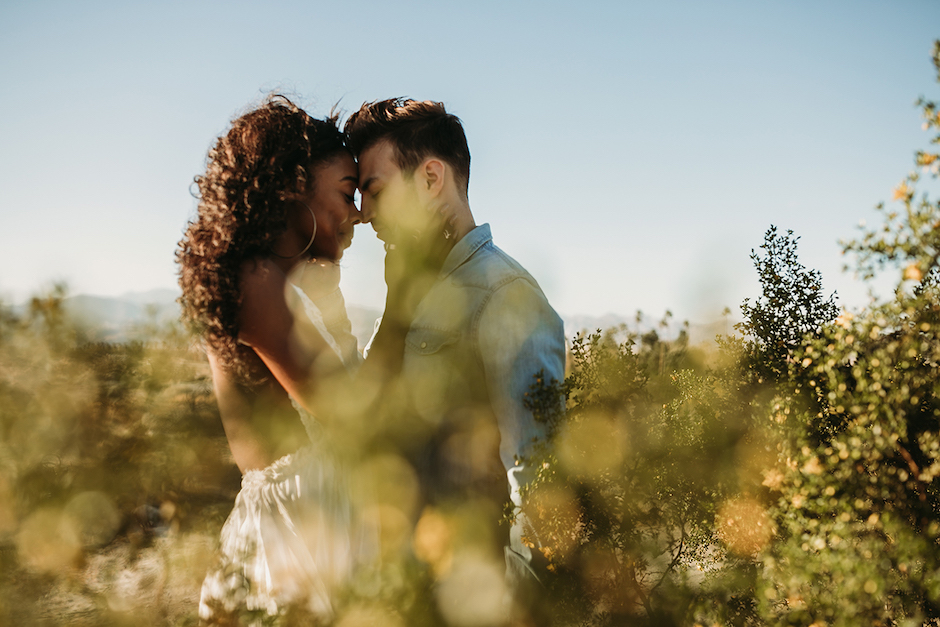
{"points": [[134, 315]]}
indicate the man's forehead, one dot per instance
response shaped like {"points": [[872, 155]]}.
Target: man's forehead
{"points": [[377, 162], [381, 154]]}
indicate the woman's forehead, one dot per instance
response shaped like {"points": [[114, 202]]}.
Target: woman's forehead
{"points": [[341, 167]]}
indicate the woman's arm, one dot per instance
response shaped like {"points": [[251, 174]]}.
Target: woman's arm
{"points": [[288, 345]]}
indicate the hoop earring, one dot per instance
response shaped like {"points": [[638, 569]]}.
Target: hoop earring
{"points": [[313, 235]]}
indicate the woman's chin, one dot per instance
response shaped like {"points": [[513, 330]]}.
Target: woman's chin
{"points": [[333, 253]]}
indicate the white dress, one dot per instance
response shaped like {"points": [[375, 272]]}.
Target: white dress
{"points": [[291, 539]]}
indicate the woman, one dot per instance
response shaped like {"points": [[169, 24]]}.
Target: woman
{"points": [[276, 210]]}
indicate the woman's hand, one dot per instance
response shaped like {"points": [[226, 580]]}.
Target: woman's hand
{"points": [[316, 278], [413, 265]]}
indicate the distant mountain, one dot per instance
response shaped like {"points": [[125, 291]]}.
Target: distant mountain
{"points": [[163, 296], [699, 333], [707, 332], [122, 318], [590, 324], [127, 317]]}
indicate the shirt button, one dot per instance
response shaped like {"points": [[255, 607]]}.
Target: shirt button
{"points": [[424, 344]]}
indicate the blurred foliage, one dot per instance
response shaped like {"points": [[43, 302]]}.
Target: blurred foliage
{"points": [[631, 480], [114, 472]]}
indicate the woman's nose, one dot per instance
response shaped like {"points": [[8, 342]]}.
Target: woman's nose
{"points": [[366, 212], [355, 215]]}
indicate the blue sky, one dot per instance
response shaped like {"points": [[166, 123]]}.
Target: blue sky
{"points": [[629, 154]]}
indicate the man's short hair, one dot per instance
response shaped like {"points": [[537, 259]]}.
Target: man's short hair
{"points": [[416, 130]]}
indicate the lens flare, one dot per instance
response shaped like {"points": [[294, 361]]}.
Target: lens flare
{"points": [[744, 525]]}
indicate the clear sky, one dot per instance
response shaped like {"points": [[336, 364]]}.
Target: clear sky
{"points": [[629, 154]]}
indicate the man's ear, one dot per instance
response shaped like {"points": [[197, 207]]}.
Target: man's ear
{"points": [[432, 172]]}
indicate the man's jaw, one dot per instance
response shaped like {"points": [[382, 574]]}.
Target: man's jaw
{"points": [[383, 232]]}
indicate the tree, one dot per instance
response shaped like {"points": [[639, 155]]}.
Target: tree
{"points": [[791, 307]]}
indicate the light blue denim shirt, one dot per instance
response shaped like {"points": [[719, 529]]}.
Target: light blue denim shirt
{"points": [[477, 341]]}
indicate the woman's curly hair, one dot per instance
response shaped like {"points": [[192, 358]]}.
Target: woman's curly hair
{"points": [[265, 158]]}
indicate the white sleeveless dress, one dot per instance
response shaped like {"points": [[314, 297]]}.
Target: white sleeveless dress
{"points": [[291, 539]]}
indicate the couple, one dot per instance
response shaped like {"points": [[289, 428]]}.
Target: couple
{"points": [[441, 389]]}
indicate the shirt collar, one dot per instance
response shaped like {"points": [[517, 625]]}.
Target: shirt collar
{"points": [[464, 249]]}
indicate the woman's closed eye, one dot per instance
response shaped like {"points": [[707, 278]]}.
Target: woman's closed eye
{"points": [[352, 197]]}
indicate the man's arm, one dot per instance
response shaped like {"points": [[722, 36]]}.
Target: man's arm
{"points": [[520, 335]]}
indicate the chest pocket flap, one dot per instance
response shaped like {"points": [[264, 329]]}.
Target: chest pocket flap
{"points": [[423, 341]]}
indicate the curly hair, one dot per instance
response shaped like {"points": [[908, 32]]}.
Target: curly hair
{"points": [[266, 157]]}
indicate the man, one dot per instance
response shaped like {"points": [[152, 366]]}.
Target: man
{"points": [[476, 334]]}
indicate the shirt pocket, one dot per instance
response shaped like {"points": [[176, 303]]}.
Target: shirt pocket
{"points": [[428, 370], [424, 341]]}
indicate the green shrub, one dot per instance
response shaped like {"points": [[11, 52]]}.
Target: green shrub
{"points": [[790, 483]]}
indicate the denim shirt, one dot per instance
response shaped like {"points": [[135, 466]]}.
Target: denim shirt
{"points": [[478, 339]]}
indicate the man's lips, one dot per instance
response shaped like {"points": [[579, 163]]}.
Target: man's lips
{"points": [[379, 229]]}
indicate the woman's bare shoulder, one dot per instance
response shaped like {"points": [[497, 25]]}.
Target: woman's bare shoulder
{"points": [[263, 308]]}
